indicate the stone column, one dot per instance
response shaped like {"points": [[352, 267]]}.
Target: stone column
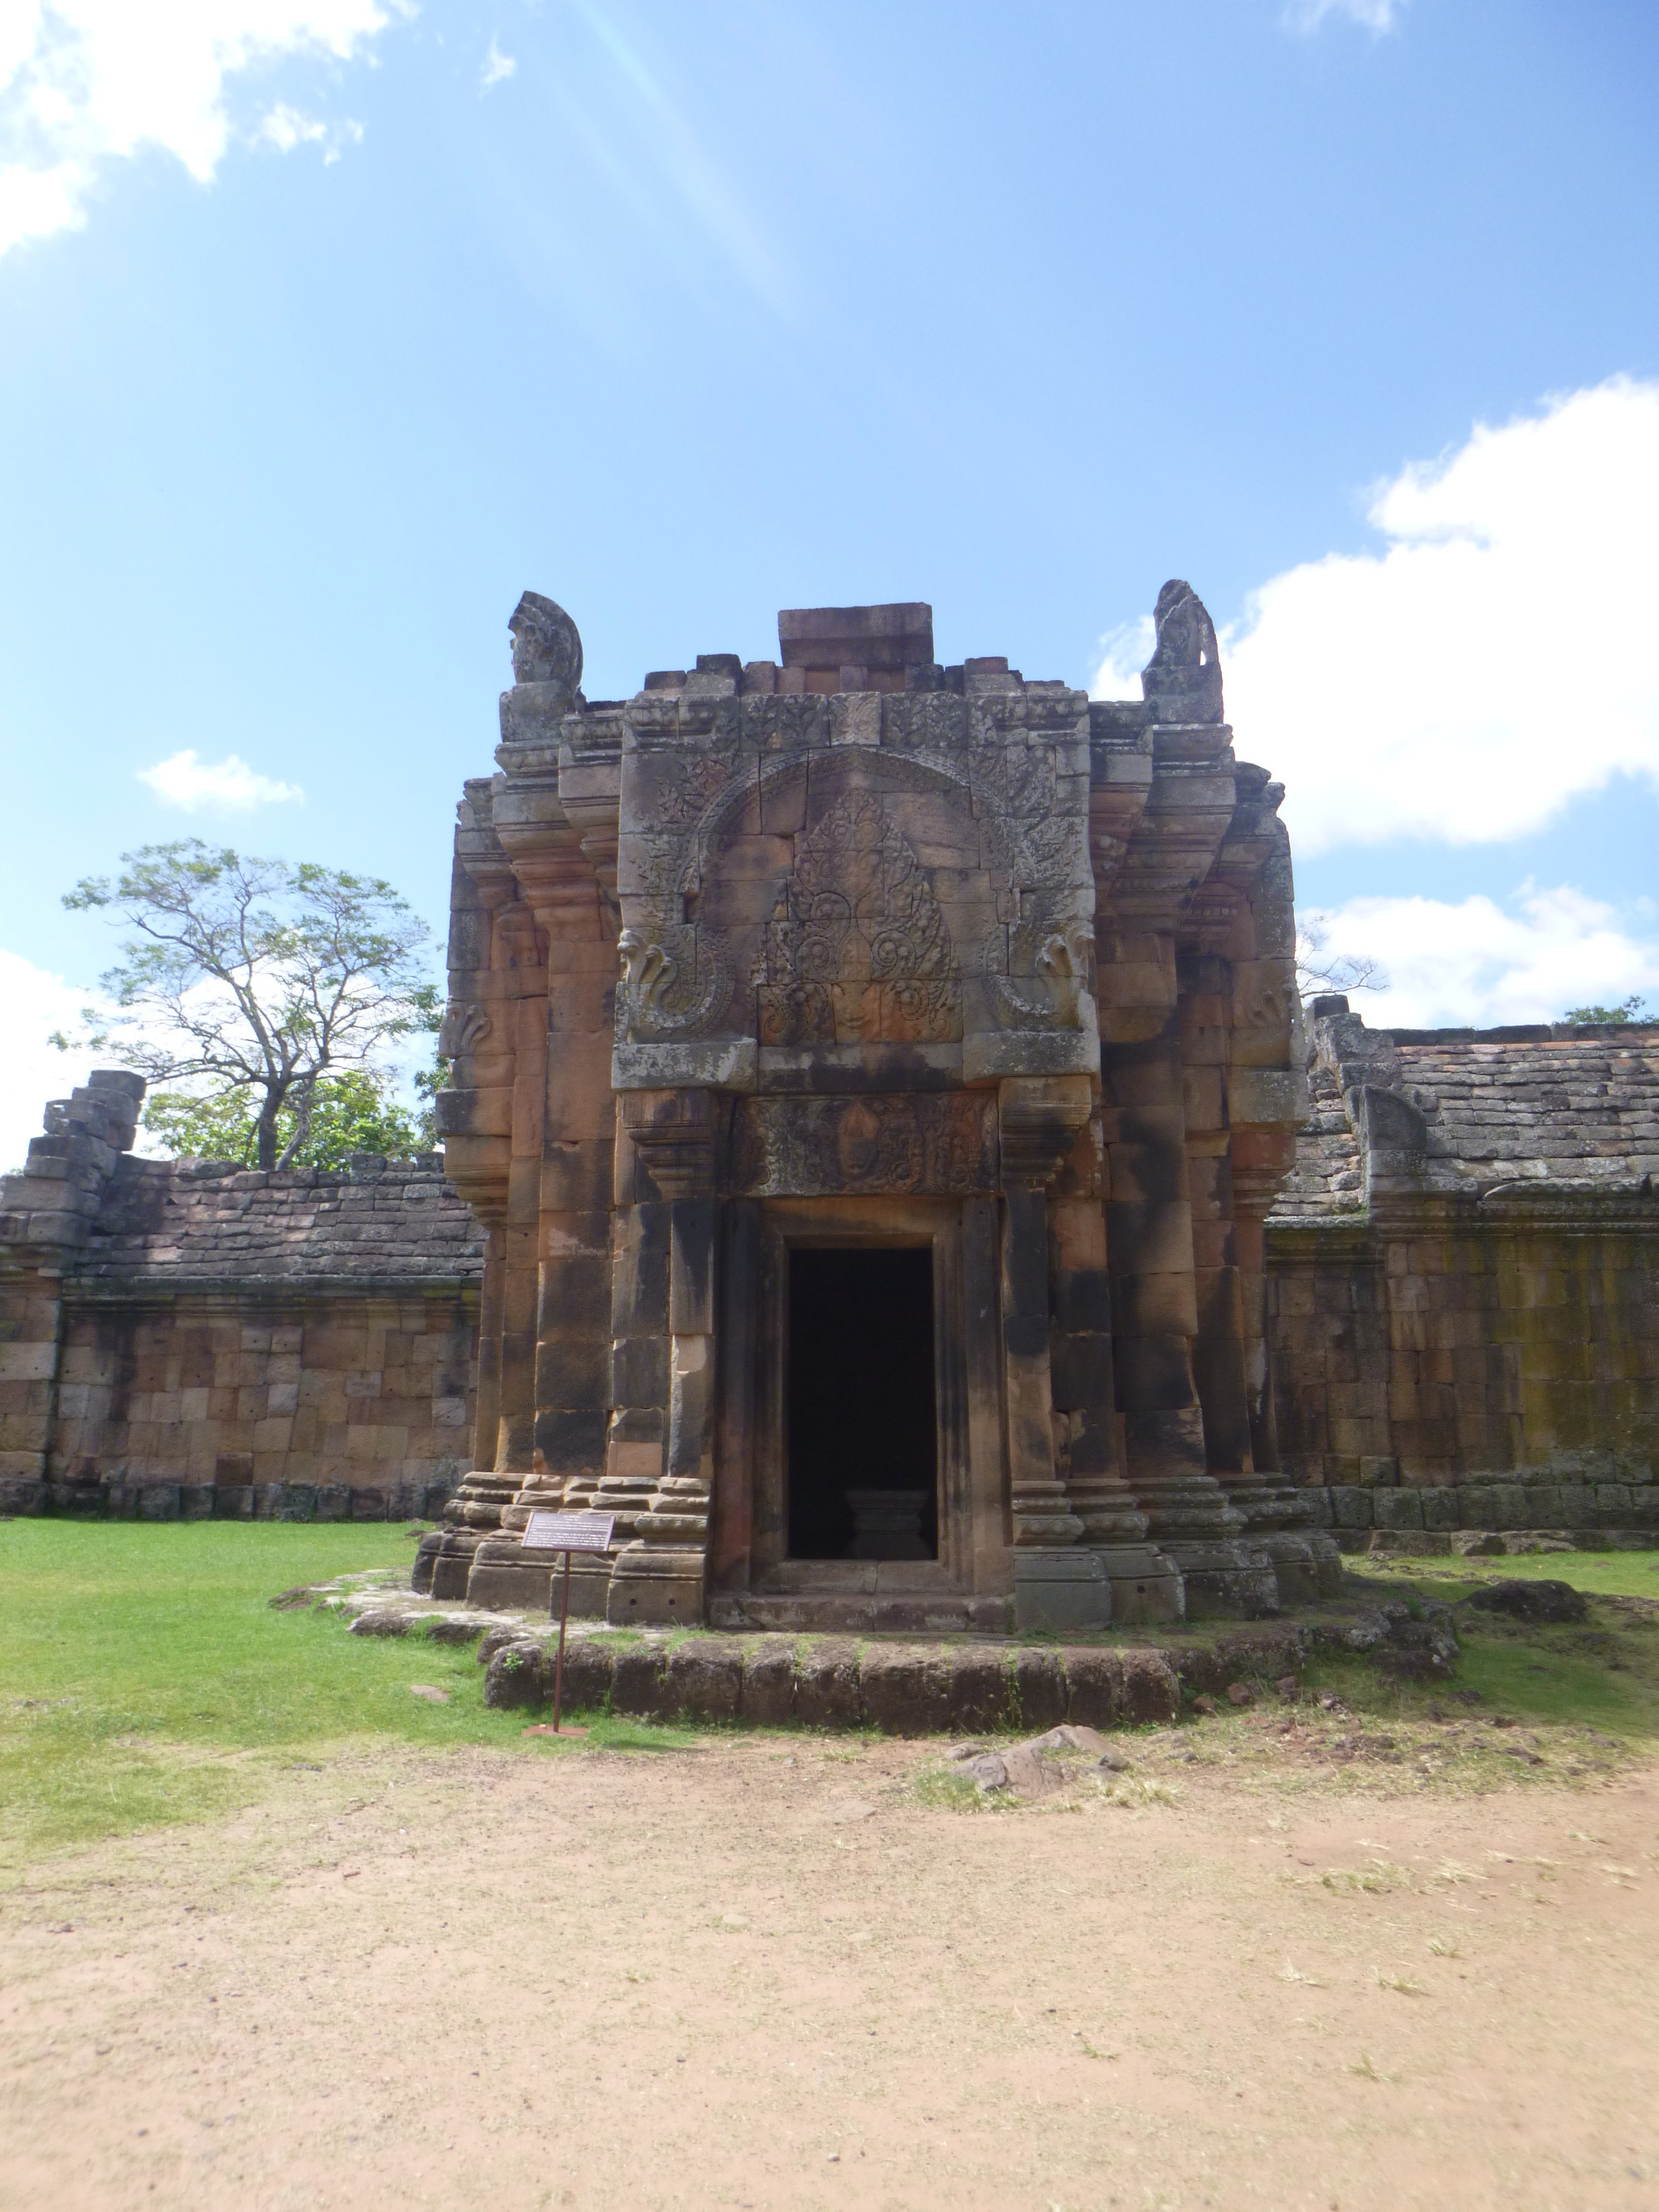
{"points": [[1154, 1295], [660, 1576], [1056, 1585], [479, 1039], [487, 1414]]}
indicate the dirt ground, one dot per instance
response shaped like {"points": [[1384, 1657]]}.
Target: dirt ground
{"points": [[771, 1973]]}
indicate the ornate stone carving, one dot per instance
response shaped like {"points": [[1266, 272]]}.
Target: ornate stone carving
{"points": [[547, 646], [1061, 966], [1181, 682], [902, 1143], [547, 669], [463, 1029], [678, 986], [857, 950]]}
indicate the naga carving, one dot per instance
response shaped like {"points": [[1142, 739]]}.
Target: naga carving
{"points": [[462, 1031], [1061, 969], [667, 993], [1181, 682]]}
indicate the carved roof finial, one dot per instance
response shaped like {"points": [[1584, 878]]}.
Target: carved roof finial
{"points": [[547, 646], [1181, 682]]}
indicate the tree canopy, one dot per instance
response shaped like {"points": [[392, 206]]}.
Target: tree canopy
{"points": [[1628, 1010], [350, 1113], [264, 985]]}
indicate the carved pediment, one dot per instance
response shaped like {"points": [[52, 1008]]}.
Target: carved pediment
{"points": [[857, 951]]}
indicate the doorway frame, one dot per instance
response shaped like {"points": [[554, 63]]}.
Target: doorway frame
{"points": [[750, 1532]]}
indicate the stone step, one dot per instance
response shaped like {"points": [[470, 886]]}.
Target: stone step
{"points": [[895, 1613]]}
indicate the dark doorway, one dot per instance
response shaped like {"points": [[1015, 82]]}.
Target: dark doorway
{"points": [[863, 1446]]}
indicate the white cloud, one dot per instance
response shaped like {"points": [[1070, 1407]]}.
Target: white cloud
{"points": [[183, 781], [86, 82], [1491, 662], [285, 128], [1374, 15], [1478, 963], [32, 1004], [497, 67]]}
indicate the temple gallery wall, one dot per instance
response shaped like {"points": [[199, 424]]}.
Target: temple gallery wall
{"points": [[889, 1167]]}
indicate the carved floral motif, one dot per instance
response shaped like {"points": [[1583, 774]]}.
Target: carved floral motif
{"points": [[857, 950], [884, 1142]]}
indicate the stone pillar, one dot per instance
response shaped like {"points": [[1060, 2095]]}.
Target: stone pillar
{"points": [[479, 1040], [660, 1576], [1056, 1585], [1145, 1584], [1155, 1302]]}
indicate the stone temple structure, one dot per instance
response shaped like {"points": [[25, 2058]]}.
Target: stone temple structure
{"points": [[874, 1078]]}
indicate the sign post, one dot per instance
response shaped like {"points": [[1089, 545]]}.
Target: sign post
{"points": [[565, 1533]]}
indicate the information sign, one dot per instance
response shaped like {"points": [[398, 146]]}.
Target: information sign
{"points": [[565, 1533], [568, 1531]]}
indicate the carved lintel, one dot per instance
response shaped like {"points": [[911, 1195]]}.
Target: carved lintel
{"points": [[1040, 1117], [901, 1144]]}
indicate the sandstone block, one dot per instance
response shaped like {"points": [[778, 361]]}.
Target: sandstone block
{"points": [[981, 1690], [1094, 1688], [1039, 1689], [425, 1560], [159, 1501], [387, 1623], [905, 1691], [1152, 1689], [1350, 1508], [517, 1677], [1397, 1509], [769, 1683], [452, 1629], [827, 1684], [1440, 1507], [704, 1680], [637, 1680], [589, 1674]]}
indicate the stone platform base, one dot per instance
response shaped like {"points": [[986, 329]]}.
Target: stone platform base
{"points": [[891, 1613], [958, 1677]]}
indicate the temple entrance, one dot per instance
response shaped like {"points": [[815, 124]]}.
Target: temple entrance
{"points": [[863, 1481]]}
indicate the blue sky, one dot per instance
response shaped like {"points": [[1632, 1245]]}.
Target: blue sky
{"points": [[326, 327]]}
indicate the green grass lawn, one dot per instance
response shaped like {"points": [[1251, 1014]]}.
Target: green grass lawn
{"points": [[1603, 1674], [145, 1678], [1601, 1574]]}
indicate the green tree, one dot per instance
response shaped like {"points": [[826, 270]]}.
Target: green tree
{"points": [[1629, 1010], [350, 1112], [257, 981]]}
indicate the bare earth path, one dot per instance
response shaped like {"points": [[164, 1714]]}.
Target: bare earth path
{"points": [[759, 1974]]}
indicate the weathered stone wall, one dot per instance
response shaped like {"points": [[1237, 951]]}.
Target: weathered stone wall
{"points": [[1464, 1275], [184, 1337]]}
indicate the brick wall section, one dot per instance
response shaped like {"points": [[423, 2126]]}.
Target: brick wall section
{"points": [[186, 1336], [1465, 1270]]}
